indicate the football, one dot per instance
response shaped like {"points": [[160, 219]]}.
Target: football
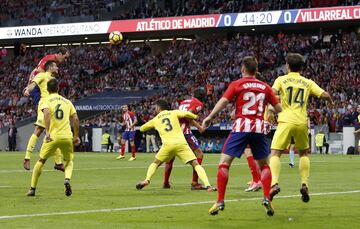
{"points": [[115, 37]]}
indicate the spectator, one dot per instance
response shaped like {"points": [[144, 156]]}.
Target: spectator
{"points": [[320, 140], [106, 141], [150, 138], [87, 141], [218, 146], [12, 131]]}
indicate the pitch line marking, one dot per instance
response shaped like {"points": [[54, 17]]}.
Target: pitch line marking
{"points": [[128, 167], [161, 206]]}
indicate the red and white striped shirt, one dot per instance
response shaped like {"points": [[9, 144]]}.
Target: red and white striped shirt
{"points": [[193, 105], [252, 96], [129, 118]]}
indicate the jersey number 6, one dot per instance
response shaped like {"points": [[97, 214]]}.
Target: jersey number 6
{"points": [[59, 114]]}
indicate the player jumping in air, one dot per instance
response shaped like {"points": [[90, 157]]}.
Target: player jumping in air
{"points": [[251, 97], [294, 91], [129, 121], [166, 122], [37, 92], [193, 105], [57, 113]]}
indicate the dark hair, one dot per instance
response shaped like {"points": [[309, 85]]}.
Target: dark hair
{"points": [[53, 86], [295, 61], [251, 64], [199, 93], [63, 50], [163, 104], [48, 64]]}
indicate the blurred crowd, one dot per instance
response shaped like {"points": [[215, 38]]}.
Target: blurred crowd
{"points": [[210, 64], [45, 12]]}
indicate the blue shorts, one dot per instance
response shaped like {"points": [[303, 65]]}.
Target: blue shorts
{"points": [[128, 135], [236, 143], [192, 141], [35, 94]]}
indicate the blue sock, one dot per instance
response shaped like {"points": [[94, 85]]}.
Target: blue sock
{"points": [[292, 155]]}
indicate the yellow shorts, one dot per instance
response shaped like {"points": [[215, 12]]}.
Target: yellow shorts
{"points": [[40, 121], [182, 151], [284, 133], [48, 149]]}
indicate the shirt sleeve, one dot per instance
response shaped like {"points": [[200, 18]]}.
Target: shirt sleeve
{"points": [[147, 126], [230, 92], [72, 109], [185, 114], [315, 89], [277, 85]]}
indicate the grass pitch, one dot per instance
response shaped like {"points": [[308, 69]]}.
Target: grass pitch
{"points": [[104, 196]]}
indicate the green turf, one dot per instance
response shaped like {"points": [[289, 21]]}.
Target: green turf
{"points": [[101, 182]]}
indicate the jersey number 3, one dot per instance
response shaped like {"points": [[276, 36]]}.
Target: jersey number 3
{"points": [[168, 125], [59, 114], [253, 99]]}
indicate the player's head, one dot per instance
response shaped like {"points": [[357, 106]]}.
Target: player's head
{"points": [[294, 62], [51, 66], [358, 108], [199, 94], [249, 66], [125, 108], [53, 86], [162, 105], [62, 55]]}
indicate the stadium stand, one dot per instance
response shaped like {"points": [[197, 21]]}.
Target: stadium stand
{"points": [[95, 68]]}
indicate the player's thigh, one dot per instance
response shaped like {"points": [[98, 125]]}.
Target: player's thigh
{"points": [[125, 135], [185, 153], [192, 142], [301, 137], [235, 144], [40, 120], [67, 149], [282, 136], [166, 153], [48, 149], [259, 146]]}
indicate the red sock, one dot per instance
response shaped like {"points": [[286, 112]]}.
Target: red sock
{"points": [[195, 179], [168, 168], [266, 180], [122, 149], [133, 150], [222, 179], [254, 168]]}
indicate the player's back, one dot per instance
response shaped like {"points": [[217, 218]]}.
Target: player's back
{"points": [[60, 111], [251, 96], [168, 125], [294, 91], [41, 81], [193, 105]]}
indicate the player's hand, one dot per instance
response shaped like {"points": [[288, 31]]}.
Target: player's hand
{"points": [[26, 92], [76, 141], [206, 122], [201, 130], [48, 137]]}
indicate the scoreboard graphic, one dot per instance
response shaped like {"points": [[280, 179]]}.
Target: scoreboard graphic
{"points": [[280, 17]]}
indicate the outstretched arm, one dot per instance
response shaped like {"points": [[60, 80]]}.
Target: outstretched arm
{"points": [[326, 96], [220, 105]]}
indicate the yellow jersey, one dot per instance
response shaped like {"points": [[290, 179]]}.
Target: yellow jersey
{"points": [[41, 80], [294, 91], [168, 125], [61, 110]]}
